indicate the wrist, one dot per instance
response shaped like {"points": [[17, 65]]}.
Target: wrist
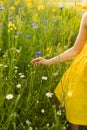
{"points": [[54, 60]]}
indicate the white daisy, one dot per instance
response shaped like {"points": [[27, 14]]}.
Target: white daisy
{"points": [[49, 94], [42, 111], [59, 113], [22, 76], [28, 122], [18, 85], [16, 67], [9, 96], [18, 51], [44, 78], [47, 124]]}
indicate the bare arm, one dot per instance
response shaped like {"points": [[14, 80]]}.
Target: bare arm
{"points": [[71, 52], [78, 45]]}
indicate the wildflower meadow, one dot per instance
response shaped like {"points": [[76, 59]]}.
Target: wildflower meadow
{"points": [[29, 29]]}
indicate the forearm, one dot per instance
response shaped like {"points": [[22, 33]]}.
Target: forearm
{"points": [[70, 53], [78, 45]]}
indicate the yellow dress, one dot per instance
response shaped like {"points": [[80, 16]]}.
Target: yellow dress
{"points": [[72, 90]]}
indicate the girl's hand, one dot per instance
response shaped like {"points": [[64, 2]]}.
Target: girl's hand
{"points": [[40, 60]]}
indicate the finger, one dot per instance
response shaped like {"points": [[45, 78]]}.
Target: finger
{"points": [[36, 60], [36, 64]]}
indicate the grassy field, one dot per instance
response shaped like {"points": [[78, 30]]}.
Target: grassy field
{"points": [[28, 29]]}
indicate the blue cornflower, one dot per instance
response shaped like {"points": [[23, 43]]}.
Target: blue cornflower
{"points": [[27, 36], [33, 23], [18, 33], [1, 8], [61, 7], [38, 53], [11, 19]]}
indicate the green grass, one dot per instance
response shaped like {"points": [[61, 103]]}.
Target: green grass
{"points": [[24, 30]]}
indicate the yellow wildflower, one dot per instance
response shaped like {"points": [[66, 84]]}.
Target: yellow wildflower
{"points": [[29, 4], [16, 36], [54, 10], [17, 16], [30, 128], [35, 17], [12, 8], [1, 2], [40, 7], [49, 49], [16, 2], [11, 26]]}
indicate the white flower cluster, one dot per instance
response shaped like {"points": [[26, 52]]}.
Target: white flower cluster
{"points": [[28, 122], [59, 113], [21, 75], [49, 94]]}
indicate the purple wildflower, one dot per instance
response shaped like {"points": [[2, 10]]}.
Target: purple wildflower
{"points": [[18, 33], [27, 36], [1, 8], [11, 19], [61, 7], [38, 53], [33, 23]]}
